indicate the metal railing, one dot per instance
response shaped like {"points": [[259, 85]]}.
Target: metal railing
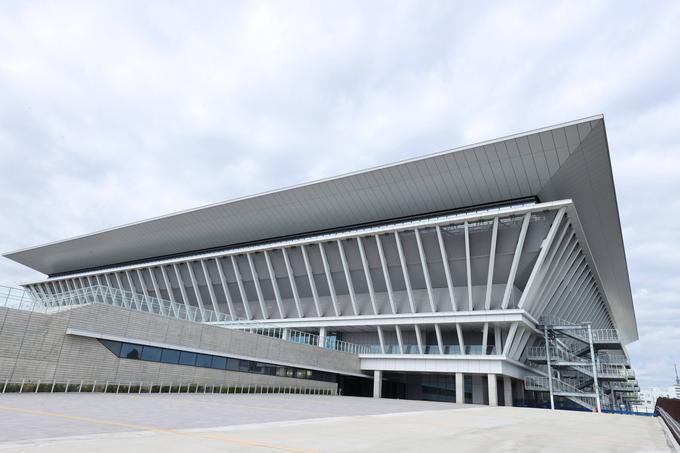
{"points": [[129, 387], [431, 349], [556, 354], [300, 337], [560, 388], [21, 299], [614, 359]]}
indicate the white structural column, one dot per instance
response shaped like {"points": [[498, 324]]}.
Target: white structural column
{"points": [[386, 274], [171, 298], [329, 279], [275, 284], [312, 283], [377, 384], [509, 339], [120, 286], [507, 391], [440, 342], [381, 339], [467, 266], [348, 277], [293, 285], [131, 284], [545, 246], [461, 340], [485, 337], [142, 283], [197, 291], [182, 289], [241, 289], [157, 291], [426, 272], [367, 274], [209, 284], [419, 339], [515, 261], [497, 339], [322, 337], [154, 283], [258, 289], [168, 287], [108, 283], [225, 289], [492, 260], [460, 388], [400, 339], [404, 270], [447, 269], [493, 390]]}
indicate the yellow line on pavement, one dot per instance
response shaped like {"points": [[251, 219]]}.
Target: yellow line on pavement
{"points": [[156, 429]]}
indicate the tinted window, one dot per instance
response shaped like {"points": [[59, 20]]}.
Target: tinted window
{"points": [[130, 351], [203, 360], [244, 365], [170, 356], [219, 362], [113, 346], [152, 354], [187, 358], [232, 364]]}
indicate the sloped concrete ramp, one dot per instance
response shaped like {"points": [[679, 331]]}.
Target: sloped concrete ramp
{"points": [[302, 423]]}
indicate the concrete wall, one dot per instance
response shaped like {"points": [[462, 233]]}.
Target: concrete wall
{"points": [[35, 346]]}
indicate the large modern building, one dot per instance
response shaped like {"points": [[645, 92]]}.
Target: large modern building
{"points": [[490, 273]]}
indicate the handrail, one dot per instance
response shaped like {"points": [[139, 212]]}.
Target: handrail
{"points": [[127, 387], [97, 294]]}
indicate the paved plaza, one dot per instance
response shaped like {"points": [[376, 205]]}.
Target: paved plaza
{"points": [[302, 423]]}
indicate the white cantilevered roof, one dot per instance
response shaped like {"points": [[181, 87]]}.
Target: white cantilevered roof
{"points": [[566, 161]]}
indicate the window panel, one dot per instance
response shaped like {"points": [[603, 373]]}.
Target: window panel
{"points": [[113, 346], [187, 358], [130, 351], [151, 354], [203, 360], [170, 356], [219, 363]]}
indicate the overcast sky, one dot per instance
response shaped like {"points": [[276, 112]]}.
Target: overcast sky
{"points": [[112, 113]]}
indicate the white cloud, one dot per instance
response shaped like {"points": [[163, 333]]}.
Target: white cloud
{"points": [[114, 112]]}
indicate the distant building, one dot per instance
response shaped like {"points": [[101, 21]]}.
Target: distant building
{"points": [[470, 275]]}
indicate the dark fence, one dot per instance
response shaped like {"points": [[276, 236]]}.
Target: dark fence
{"points": [[669, 410]]}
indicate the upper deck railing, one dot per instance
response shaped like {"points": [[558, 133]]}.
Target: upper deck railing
{"points": [[18, 298]]}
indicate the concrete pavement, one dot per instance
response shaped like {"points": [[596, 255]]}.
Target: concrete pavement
{"points": [[303, 423]]}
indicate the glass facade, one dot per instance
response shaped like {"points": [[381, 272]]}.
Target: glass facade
{"points": [[177, 357]]}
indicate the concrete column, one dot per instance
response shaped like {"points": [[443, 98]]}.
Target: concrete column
{"points": [[322, 337], [377, 384], [493, 391], [284, 335], [460, 388], [507, 390]]}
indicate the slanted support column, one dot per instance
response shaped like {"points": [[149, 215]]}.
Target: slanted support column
{"points": [[348, 278], [460, 388], [404, 270], [377, 384], [329, 279], [447, 270], [400, 340], [493, 390], [515, 261], [507, 391]]}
